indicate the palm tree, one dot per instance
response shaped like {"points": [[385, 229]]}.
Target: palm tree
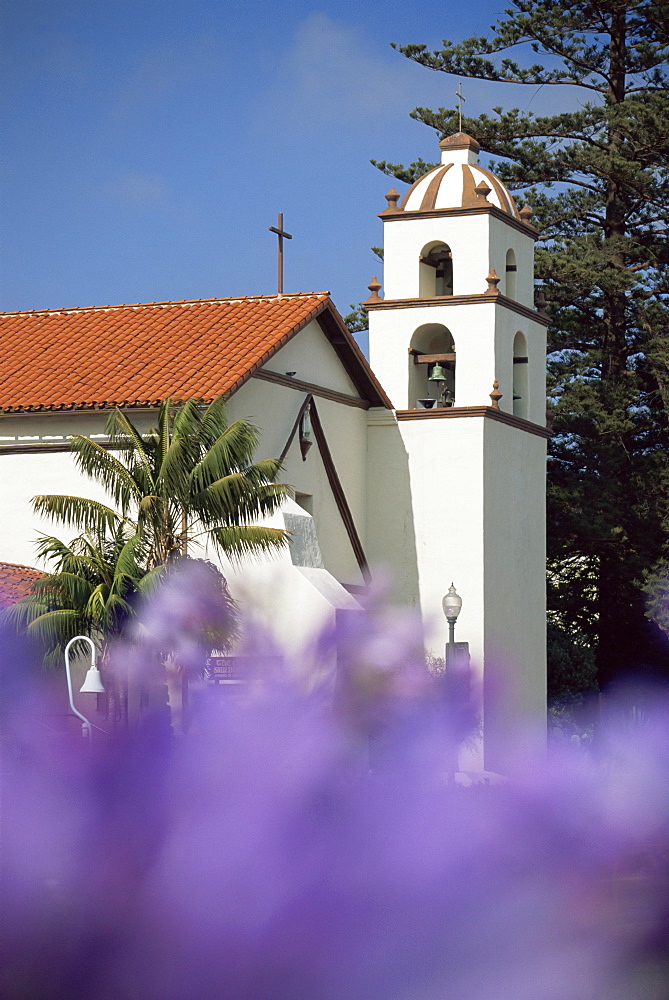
{"points": [[95, 589], [88, 592], [191, 477]]}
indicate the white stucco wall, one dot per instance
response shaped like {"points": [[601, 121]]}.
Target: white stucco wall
{"points": [[514, 528], [478, 242], [508, 324], [503, 238], [289, 600], [311, 356], [23, 476], [391, 537], [426, 511], [462, 500], [274, 410]]}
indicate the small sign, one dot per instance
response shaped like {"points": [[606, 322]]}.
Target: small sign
{"points": [[227, 668], [457, 655], [238, 669]]}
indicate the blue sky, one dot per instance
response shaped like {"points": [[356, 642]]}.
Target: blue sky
{"points": [[148, 145]]}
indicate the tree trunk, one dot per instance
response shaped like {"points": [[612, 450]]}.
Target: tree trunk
{"points": [[613, 621]]}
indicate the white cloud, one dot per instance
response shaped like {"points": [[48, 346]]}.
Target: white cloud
{"points": [[332, 69], [334, 73]]}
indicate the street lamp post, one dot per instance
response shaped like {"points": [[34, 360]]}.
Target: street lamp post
{"points": [[452, 605], [92, 681]]}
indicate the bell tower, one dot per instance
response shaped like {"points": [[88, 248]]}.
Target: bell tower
{"points": [[458, 471]]}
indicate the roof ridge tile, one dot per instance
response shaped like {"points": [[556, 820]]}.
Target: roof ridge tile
{"points": [[60, 310]]}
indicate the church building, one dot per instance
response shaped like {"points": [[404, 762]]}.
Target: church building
{"points": [[426, 464]]}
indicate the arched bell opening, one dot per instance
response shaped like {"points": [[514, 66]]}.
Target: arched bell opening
{"points": [[435, 271], [511, 270], [520, 377], [431, 367]]}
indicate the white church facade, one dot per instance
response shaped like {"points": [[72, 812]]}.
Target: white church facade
{"points": [[428, 463]]}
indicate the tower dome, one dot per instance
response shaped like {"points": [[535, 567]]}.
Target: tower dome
{"points": [[458, 182]]}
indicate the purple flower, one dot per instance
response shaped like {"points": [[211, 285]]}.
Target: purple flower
{"points": [[262, 857]]}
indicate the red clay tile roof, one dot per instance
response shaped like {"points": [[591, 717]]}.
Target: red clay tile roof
{"points": [[15, 582], [137, 355]]}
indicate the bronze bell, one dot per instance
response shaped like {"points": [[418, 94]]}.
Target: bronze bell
{"points": [[438, 374]]}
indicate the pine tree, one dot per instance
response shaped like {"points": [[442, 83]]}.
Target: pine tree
{"points": [[598, 183]]}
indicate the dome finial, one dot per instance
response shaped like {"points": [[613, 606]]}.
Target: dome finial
{"points": [[493, 280], [392, 198], [462, 144], [482, 191], [495, 395], [374, 287]]}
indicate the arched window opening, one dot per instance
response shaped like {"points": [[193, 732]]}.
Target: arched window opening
{"points": [[511, 269], [435, 271], [431, 368], [520, 377]]}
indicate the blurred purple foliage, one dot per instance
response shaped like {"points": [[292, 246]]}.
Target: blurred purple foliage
{"points": [[267, 855]]}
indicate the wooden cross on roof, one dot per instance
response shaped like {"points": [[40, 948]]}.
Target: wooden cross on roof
{"points": [[281, 233]]}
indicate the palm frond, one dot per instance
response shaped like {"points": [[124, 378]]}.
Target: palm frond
{"points": [[87, 515], [164, 432], [188, 419], [264, 471], [224, 501], [48, 548], [238, 541], [118, 608], [214, 422], [232, 451], [150, 582], [175, 472], [63, 589], [192, 469], [123, 433], [231, 501], [100, 464], [155, 520], [97, 602], [55, 628], [17, 617], [75, 568], [127, 564]]}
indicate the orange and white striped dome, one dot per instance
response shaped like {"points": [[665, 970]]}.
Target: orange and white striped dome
{"points": [[458, 182]]}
